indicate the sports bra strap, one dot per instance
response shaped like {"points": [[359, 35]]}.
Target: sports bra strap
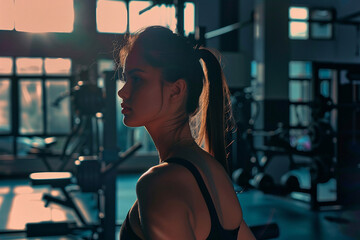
{"points": [[207, 197]]}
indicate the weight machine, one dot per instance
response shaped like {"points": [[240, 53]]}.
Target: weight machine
{"points": [[334, 136]]}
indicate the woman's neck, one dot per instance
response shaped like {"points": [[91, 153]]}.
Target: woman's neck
{"points": [[168, 138]]}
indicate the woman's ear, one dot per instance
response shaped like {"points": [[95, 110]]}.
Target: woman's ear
{"points": [[178, 89]]}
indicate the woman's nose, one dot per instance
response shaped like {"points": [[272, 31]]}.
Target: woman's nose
{"points": [[123, 92]]}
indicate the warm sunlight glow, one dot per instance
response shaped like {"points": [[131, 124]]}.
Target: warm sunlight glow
{"points": [[298, 30], [189, 18], [44, 15], [299, 13], [158, 15], [23, 189], [4, 190], [27, 208], [6, 65], [7, 15], [52, 175], [29, 66], [111, 16], [58, 215], [58, 66]]}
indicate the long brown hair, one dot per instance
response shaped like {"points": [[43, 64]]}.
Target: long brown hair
{"points": [[208, 94]]}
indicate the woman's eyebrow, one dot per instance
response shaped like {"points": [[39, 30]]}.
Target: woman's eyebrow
{"points": [[134, 70]]}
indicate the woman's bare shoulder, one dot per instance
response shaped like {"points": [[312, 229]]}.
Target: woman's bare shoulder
{"points": [[164, 175]]}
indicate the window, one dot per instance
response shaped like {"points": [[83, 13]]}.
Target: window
{"points": [[6, 70], [39, 82], [158, 15], [322, 28], [111, 16], [298, 25], [7, 15], [314, 23], [300, 93], [37, 15]]}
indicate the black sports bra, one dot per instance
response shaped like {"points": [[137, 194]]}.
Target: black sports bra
{"points": [[216, 232]]}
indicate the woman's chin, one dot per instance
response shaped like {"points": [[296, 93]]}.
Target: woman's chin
{"points": [[127, 122]]}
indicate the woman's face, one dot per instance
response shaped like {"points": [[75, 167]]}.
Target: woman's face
{"points": [[143, 93]]}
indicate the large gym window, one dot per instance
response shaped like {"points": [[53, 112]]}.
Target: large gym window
{"points": [[37, 15], [28, 92], [118, 17], [315, 23]]}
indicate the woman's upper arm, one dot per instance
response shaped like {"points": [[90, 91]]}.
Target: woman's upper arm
{"points": [[163, 208]]}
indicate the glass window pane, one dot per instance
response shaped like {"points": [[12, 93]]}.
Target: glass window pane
{"points": [[7, 11], [111, 16], [324, 73], [321, 30], [58, 115], [189, 18], [295, 91], [299, 91], [253, 69], [6, 65], [29, 66], [44, 15], [158, 15], [299, 115], [57, 66], [321, 15], [5, 123], [300, 69], [31, 113], [298, 30], [299, 13]]}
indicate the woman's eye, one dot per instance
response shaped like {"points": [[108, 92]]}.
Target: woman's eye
{"points": [[135, 79]]}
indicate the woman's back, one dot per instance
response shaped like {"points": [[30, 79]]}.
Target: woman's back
{"points": [[172, 179]]}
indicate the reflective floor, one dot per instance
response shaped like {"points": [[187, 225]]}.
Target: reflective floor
{"points": [[20, 204]]}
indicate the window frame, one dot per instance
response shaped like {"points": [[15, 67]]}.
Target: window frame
{"points": [[15, 80], [310, 22]]}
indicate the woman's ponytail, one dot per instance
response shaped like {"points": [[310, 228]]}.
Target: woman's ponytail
{"points": [[214, 107]]}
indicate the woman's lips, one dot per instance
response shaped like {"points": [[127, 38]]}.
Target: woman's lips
{"points": [[125, 110]]}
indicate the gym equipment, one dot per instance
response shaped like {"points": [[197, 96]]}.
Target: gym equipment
{"points": [[90, 179], [277, 142], [90, 172], [263, 182]]}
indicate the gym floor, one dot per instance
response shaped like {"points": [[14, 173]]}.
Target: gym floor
{"points": [[20, 203]]}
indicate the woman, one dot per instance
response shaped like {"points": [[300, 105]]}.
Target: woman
{"points": [[188, 195]]}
